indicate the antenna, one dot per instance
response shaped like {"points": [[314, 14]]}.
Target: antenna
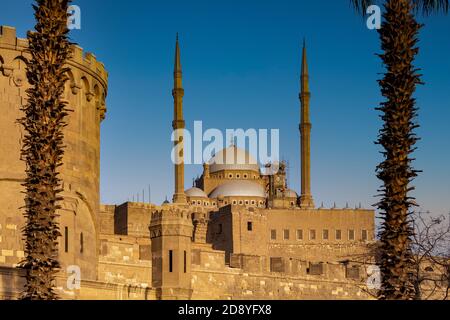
{"points": [[288, 173], [231, 140]]}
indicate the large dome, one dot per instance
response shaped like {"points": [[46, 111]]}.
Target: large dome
{"points": [[240, 188], [233, 158]]}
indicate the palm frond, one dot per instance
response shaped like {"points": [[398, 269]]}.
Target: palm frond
{"points": [[428, 7], [362, 5]]}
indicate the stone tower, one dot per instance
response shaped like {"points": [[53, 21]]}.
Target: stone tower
{"points": [[85, 93], [171, 232], [306, 199], [178, 126]]}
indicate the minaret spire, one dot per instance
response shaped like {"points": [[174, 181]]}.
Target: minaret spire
{"points": [[178, 126], [306, 199], [305, 73], [177, 67]]}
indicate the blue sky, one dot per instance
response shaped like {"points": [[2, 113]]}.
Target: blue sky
{"points": [[241, 64]]}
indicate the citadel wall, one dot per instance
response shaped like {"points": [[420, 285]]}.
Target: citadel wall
{"points": [[85, 91], [125, 260], [132, 218], [125, 269], [292, 233], [213, 280]]}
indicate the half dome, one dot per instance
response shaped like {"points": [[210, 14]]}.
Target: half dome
{"points": [[289, 193], [195, 192]]}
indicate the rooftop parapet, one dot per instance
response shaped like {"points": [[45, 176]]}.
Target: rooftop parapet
{"points": [[85, 60]]}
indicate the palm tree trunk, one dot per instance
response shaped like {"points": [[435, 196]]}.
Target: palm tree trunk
{"points": [[42, 148], [399, 36]]}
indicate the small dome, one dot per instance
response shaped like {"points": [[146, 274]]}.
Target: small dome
{"points": [[238, 189], [195, 192], [290, 194], [233, 158]]}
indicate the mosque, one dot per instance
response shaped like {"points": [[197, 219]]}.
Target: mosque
{"points": [[233, 176], [238, 233]]}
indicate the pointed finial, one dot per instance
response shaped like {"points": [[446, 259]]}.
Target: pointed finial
{"points": [[305, 73], [177, 68]]}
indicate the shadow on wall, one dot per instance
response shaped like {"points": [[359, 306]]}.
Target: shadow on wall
{"points": [[12, 282]]}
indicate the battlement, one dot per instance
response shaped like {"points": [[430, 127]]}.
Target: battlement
{"points": [[89, 61], [85, 61], [140, 205], [171, 213], [8, 36]]}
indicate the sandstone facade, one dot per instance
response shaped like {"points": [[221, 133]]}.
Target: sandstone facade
{"points": [[237, 234]]}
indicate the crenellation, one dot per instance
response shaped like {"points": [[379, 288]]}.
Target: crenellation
{"points": [[83, 65], [8, 36]]}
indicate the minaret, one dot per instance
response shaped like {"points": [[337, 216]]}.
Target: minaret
{"points": [[306, 199], [178, 126]]}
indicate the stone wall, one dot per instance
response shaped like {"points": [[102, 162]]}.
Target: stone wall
{"points": [[276, 233], [125, 260], [12, 283], [106, 219], [132, 219], [212, 279], [85, 93]]}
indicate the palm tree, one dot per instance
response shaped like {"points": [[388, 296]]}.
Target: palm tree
{"points": [[399, 37], [42, 148]]}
